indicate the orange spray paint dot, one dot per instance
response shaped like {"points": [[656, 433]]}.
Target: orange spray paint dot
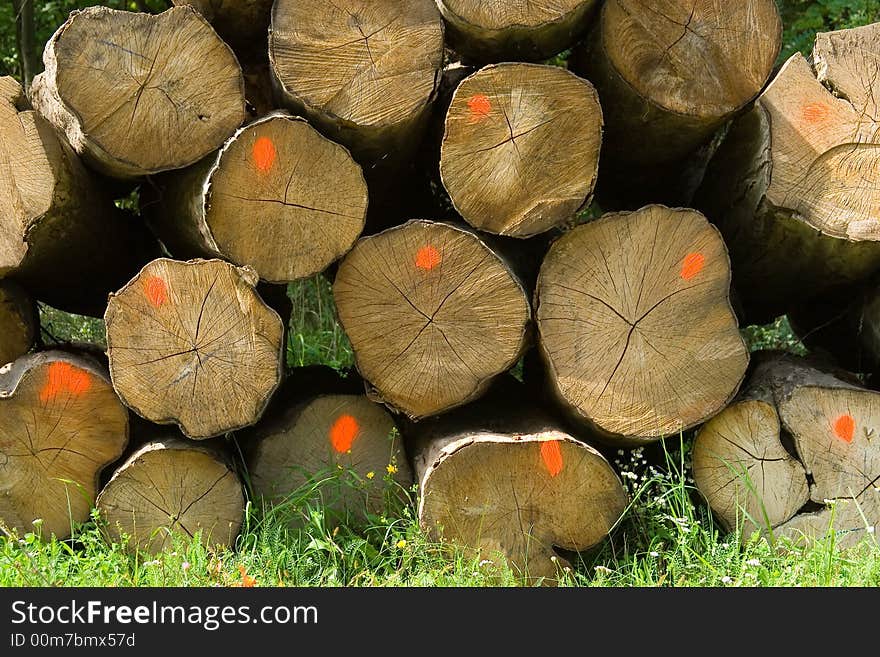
{"points": [[156, 291], [815, 113], [343, 433], [551, 452], [427, 258], [264, 154], [692, 265], [64, 377], [480, 107], [845, 427]]}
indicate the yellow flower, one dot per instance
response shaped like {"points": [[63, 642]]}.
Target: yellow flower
{"points": [[371, 474], [391, 468], [401, 544]]}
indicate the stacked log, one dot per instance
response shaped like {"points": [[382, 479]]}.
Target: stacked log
{"points": [[433, 315], [635, 324], [19, 322], [133, 107], [171, 488], [796, 177], [277, 197], [796, 455], [669, 75], [517, 163], [62, 424], [192, 344], [60, 234]]}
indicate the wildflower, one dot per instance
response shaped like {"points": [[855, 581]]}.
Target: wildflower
{"points": [[371, 474], [185, 566], [401, 544], [391, 468], [486, 562], [726, 580], [603, 569], [246, 580], [655, 554], [753, 562]]}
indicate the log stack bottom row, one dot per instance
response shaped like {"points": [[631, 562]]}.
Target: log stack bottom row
{"points": [[628, 324]]}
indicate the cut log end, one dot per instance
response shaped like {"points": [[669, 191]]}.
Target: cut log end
{"points": [[319, 437], [519, 164], [19, 322], [636, 326], [135, 107], [520, 497], [171, 487], [432, 313], [192, 343], [365, 65], [62, 423], [701, 59]]}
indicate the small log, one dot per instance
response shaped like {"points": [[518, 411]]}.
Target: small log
{"points": [[499, 478], [137, 94], [19, 322], [170, 487], [517, 163], [793, 186], [433, 315], [278, 197], [62, 424], [363, 71], [635, 323], [192, 343], [509, 30], [60, 234], [306, 437], [669, 75], [800, 440], [243, 24]]}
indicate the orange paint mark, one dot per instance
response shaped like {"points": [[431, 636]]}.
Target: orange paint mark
{"points": [[480, 107], [551, 452], [156, 291], [428, 257], [64, 377], [816, 113], [692, 265], [845, 427], [264, 154], [343, 433]]}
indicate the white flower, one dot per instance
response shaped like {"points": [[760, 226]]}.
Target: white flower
{"points": [[753, 562], [655, 554], [726, 580]]}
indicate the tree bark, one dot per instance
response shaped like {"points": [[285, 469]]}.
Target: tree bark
{"points": [[60, 234], [669, 75], [792, 187], [277, 197], [19, 321], [507, 30], [635, 324], [131, 113], [192, 343], [62, 424], [169, 488], [797, 455], [520, 164], [433, 315]]}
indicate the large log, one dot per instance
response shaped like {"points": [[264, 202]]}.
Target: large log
{"points": [[363, 71], [433, 315], [136, 94], [670, 73], [19, 322], [243, 24], [61, 425], [509, 30], [278, 197], [635, 323], [192, 343], [329, 434], [521, 149], [793, 187], [171, 487], [60, 234], [796, 455], [501, 479]]}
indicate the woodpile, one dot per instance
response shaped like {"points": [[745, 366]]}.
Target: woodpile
{"points": [[173, 173]]}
